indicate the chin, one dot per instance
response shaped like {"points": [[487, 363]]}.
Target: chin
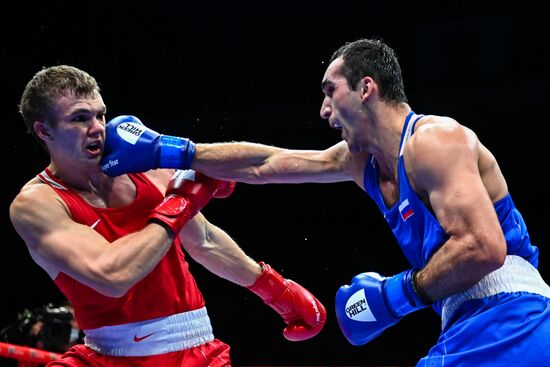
{"points": [[353, 147]]}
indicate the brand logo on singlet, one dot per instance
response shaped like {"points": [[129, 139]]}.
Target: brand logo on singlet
{"points": [[130, 131], [95, 223], [357, 307], [137, 339]]}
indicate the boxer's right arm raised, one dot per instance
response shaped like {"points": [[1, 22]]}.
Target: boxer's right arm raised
{"points": [[111, 268], [46, 226]]}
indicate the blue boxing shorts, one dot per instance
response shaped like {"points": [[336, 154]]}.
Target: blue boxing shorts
{"points": [[510, 328]]}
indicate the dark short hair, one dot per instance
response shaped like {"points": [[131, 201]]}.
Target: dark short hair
{"points": [[374, 58], [46, 86]]}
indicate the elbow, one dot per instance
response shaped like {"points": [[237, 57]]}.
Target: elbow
{"points": [[497, 258], [492, 254], [116, 289], [119, 282], [481, 254], [110, 289], [113, 283]]}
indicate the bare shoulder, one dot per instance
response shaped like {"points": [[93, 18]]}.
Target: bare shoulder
{"points": [[33, 194], [35, 209], [439, 149], [436, 135]]}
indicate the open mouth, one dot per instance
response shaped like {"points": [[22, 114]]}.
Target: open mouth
{"points": [[94, 148]]}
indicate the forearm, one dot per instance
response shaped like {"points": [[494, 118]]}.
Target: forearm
{"points": [[129, 259], [261, 164], [211, 247], [244, 162], [220, 254], [453, 268]]}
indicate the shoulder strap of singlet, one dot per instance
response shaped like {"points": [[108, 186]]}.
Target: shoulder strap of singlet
{"points": [[47, 177], [408, 129]]}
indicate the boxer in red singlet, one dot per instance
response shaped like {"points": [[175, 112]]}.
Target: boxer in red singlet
{"points": [[113, 245]]}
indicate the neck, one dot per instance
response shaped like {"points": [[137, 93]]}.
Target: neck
{"points": [[81, 178], [388, 124]]}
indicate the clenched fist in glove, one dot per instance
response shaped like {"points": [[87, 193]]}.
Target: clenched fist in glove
{"points": [[131, 146], [304, 314], [187, 193], [372, 303]]}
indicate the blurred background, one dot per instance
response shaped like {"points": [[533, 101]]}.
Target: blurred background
{"points": [[232, 71]]}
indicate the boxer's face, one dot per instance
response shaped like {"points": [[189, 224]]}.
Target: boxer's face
{"points": [[342, 106], [80, 130]]}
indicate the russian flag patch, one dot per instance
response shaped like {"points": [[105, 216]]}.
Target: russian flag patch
{"points": [[405, 210]]}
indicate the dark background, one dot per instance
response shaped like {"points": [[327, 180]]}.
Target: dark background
{"points": [[252, 71]]}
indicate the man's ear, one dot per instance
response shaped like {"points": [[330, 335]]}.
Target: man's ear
{"points": [[368, 87], [42, 130]]}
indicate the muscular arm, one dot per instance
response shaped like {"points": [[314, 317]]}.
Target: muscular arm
{"points": [[260, 164], [304, 314], [218, 252], [59, 244], [452, 183]]}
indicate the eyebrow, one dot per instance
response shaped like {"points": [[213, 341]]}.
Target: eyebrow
{"points": [[87, 110]]}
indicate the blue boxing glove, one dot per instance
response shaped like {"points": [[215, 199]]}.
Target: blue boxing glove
{"points": [[373, 303], [130, 147]]}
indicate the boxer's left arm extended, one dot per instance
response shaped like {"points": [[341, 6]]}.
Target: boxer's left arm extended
{"points": [[372, 303], [214, 249]]}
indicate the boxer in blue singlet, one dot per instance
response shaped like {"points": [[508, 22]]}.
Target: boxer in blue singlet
{"points": [[439, 188], [499, 305]]}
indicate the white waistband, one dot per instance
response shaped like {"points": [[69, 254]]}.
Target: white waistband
{"points": [[157, 336], [516, 275]]}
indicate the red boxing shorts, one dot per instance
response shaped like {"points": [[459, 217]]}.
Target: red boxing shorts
{"points": [[213, 353]]}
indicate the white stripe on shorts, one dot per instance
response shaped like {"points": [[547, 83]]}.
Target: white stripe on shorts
{"points": [[157, 336], [516, 275]]}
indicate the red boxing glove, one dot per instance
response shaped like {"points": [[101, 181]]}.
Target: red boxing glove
{"points": [[198, 187], [304, 314], [187, 193]]}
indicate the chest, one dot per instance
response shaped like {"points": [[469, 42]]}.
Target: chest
{"points": [[389, 191], [116, 214], [121, 193]]}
